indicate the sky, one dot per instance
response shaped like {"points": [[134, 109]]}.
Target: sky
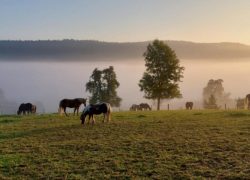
{"points": [[126, 20]]}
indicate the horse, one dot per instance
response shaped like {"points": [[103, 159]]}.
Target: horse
{"points": [[135, 107], [247, 100], [71, 103], [24, 108], [189, 105], [99, 108], [145, 106], [240, 103]]}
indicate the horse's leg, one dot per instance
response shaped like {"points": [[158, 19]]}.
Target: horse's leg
{"points": [[93, 119], [74, 111], [104, 115], [64, 109], [83, 120], [77, 111], [108, 116], [89, 119]]}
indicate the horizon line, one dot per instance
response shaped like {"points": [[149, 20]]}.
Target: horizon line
{"points": [[93, 40]]}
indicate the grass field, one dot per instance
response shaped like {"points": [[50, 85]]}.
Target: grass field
{"points": [[134, 145]]}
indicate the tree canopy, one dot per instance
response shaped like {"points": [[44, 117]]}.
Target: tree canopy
{"points": [[216, 89], [102, 87], [163, 73]]}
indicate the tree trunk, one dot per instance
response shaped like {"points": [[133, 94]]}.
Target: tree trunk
{"points": [[158, 103]]}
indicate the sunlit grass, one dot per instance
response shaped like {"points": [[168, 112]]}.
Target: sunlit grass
{"points": [[164, 144]]}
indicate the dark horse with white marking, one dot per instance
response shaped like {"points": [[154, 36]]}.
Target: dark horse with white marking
{"points": [[71, 103], [92, 109], [25, 108]]}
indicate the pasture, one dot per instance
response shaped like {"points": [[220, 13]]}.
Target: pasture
{"points": [[150, 145]]}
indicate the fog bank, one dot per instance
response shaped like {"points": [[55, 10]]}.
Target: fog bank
{"points": [[46, 83]]}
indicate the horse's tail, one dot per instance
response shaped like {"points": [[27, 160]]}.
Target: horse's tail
{"points": [[60, 108], [33, 110]]}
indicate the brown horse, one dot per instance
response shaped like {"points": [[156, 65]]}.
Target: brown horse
{"points": [[71, 103], [247, 99], [189, 105], [92, 109]]}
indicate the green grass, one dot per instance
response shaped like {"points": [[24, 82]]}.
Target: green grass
{"points": [[134, 145]]}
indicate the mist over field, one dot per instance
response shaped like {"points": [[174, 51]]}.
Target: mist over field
{"points": [[46, 83]]}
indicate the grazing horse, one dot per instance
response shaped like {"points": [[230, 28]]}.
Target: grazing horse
{"points": [[71, 103], [145, 106], [92, 109], [24, 108], [189, 105], [135, 107], [240, 103], [247, 99]]}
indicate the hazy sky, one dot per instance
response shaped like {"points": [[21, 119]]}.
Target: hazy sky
{"points": [[126, 20]]}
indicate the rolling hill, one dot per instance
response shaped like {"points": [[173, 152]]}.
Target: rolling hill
{"points": [[97, 50]]}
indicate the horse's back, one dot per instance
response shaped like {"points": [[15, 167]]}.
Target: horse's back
{"points": [[71, 102], [66, 103], [102, 108], [25, 107], [97, 108], [144, 106]]}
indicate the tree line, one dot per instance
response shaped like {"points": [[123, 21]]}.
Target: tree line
{"points": [[159, 81], [80, 49]]}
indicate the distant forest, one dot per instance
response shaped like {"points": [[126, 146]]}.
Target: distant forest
{"points": [[97, 50]]}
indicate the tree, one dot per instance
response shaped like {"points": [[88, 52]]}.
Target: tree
{"points": [[215, 88], [163, 72], [211, 103], [102, 85]]}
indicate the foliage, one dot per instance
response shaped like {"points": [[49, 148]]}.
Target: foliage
{"points": [[102, 85], [215, 88], [163, 72], [134, 145], [211, 103]]}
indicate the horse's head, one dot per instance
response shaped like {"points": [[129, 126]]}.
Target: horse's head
{"points": [[83, 117], [85, 113], [85, 102]]}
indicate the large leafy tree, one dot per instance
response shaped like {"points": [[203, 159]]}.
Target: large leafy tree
{"points": [[102, 85], [215, 88], [163, 73]]}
